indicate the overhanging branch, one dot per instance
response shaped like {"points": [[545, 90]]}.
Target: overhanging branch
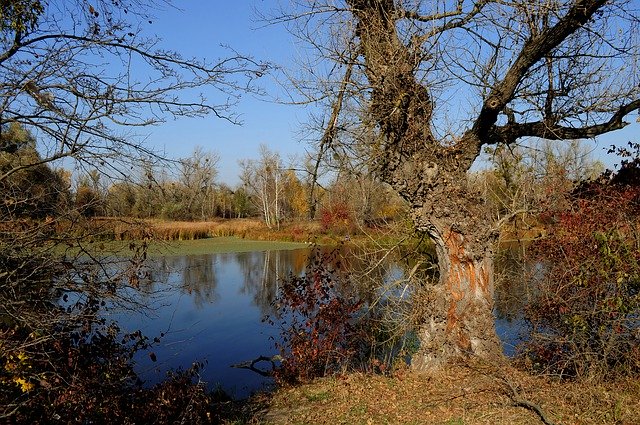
{"points": [[512, 131], [533, 50]]}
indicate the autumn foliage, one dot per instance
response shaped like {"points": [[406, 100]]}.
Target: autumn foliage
{"points": [[322, 329], [338, 218], [586, 306]]}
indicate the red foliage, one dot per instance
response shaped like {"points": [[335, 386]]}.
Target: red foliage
{"points": [[587, 271], [322, 331], [337, 217]]}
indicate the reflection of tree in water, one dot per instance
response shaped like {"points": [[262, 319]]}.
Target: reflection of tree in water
{"points": [[158, 271], [512, 276], [369, 274], [357, 274], [196, 277], [199, 279], [262, 272]]}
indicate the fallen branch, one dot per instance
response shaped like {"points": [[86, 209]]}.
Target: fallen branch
{"points": [[495, 371], [251, 364], [520, 401]]}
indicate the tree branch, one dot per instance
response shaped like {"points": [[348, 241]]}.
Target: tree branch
{"points": [[512, 131], [534, 49]]}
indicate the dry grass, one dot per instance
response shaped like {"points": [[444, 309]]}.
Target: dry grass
{"points": [[246, 228], [187, 230], [132, 229], [126, 229], [462, 395]]}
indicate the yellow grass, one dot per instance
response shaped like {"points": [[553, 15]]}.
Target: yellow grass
{"points": [[185, 230], [246, 228], [131, 229], [461, 395]]}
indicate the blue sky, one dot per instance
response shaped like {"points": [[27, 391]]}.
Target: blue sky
{"points": [[199, 28]]}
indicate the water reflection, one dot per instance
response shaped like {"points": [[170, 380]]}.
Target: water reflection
{"points": [[513, 292], [210, 307]]}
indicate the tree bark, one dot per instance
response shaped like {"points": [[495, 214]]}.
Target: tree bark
{"points": [[459, 320], [432, 177], [431, 174]]}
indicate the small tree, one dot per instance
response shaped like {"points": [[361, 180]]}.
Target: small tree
{"points": [[264, 180], [81, 77], [322, 329], [196, 181]]}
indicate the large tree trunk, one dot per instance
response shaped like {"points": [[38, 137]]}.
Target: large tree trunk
{"points": [[458, 321], [432, 177], [430, 173]]}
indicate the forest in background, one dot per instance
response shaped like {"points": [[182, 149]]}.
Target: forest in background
{"points": [[514, 180]]}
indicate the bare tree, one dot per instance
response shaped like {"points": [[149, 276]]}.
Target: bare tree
{"points": [[197, 177], [83, 77], [78, 79], [263, 179], [442, 79]]}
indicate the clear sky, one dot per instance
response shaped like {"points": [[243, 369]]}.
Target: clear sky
{"points": [[199, 28]]}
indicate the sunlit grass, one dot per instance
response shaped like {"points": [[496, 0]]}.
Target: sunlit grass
{"points": [[187, 230]]}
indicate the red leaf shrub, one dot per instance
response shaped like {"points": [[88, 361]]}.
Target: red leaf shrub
{"points": [[337, 217], [322, 330], [585, 313]]}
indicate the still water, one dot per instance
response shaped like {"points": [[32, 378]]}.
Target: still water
{"points": [[209, 308]]}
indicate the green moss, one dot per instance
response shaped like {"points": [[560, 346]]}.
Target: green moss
{"points": [[219, 244]]}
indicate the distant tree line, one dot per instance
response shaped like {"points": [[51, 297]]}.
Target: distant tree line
{"points": [[269, 189], [513, 182]]}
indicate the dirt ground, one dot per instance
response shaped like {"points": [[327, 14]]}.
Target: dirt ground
{"points": [[461, 395]]}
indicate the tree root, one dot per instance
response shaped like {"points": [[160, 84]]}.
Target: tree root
{"points": [[520, 402]]}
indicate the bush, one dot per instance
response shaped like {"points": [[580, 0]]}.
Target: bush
{"points": [[322, 330], [585, 313], [82, 372], [337, 218]]}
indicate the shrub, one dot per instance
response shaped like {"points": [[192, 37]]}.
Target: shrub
{"points": [[322, 329], [338, 218], [585, 313]]}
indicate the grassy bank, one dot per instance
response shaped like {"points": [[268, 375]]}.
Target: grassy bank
{"points": [[462, 395], [127, 229]]}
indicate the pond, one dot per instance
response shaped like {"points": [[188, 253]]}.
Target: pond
{"points": [[210, 308]]}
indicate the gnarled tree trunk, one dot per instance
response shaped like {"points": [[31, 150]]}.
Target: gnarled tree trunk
{"points": [[459, 320], [432, 177], [400, 46]]}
